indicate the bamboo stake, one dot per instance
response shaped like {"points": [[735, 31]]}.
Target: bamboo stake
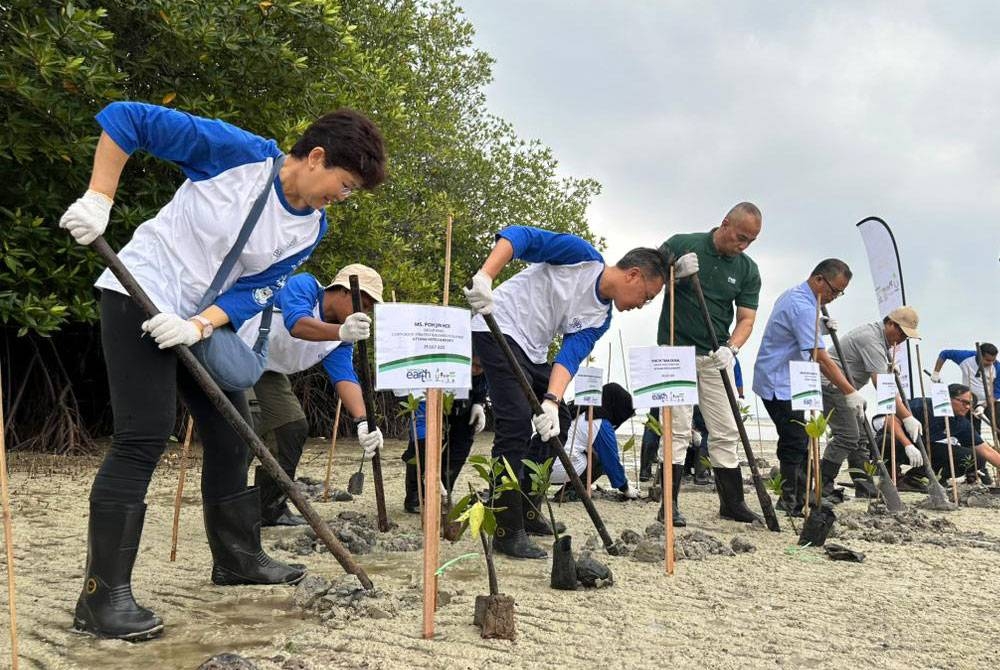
{"points": [[892, 417], [667, 493], [333, 446], [951, 459], [814, 441], [590, 448], [432, 507], [8, 538], [185, 451]]}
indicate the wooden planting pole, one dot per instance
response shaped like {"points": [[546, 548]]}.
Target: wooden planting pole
{"points": [[667, 429], [185, 451], [590, 448], [8, 538], [432, 507], [951, 459], [333, 446]]}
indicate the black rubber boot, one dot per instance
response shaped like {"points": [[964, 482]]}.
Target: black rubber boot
{"points": [[647, 457], [702, 473], [732, 506], [690, 458], [828, 471], [232, 525], [274, 509], [535, 523], [793, 488], [679, 521], [106, 607], [411, 503], [510, 538], [864, 485]]}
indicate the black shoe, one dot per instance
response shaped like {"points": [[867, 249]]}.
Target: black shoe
{"points": [[510, 538], [274, 502], [106, 607], [912, 481], [411, 503], [828, 473], [793, 488], [535, 523], [233, 528], [732, 506]]}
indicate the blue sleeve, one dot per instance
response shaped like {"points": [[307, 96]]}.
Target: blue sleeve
{"points": [[606, 447], [996, 381], [956, 356], [577, 346], [298, 298], [542, 246], [804, 326], [339, 365], [421, 420], [202, 148], [738, 374], [252, 293]]}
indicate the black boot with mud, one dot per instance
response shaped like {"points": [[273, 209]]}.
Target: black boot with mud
{"points": [[677, 472], [411, 503], [274, 510], [106, 607], [510, 538], [793, 487], [233, 528], [914, 480], [828, 472], [732, 505], [535, 522]]}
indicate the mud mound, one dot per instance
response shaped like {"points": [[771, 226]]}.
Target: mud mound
{"points": [[358, 533]]}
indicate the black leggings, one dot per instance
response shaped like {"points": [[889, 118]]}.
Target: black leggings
{"points": [[144, 381]]}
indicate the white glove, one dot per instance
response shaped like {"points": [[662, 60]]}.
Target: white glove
{"points": [[369, 441], [480, 296], [444, 490], [169, 330], [913, 456], [979, 412], [357, 326], [936, 376], [856, 402], [913, 427], [686, 265], [547, 423], [629, 491], [477, 418], [722, 358], [829, 324], [87, 218]]}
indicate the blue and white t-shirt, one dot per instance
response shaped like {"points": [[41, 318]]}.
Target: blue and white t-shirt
{"points": [[965, 359], [175, 255], [555, 295], [287, 354], [605, 446]]}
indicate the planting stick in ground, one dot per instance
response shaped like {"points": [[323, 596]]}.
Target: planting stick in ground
{"points": [[369, 397], [885, 484], [235, 419], [333, 445], [590, 448], [432, 505], [185, 450], [631, 424], [951, 457], [936, 497], [555, 444], [8, 538], [667, 414], [766, 506]]}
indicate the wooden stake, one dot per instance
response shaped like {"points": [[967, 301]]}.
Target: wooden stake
{"points": [[951, 459], [631, 424], [333, 446], [814, 442], [432, 507], [185, 451], [667, 427], [8, 538], [590, 448]]}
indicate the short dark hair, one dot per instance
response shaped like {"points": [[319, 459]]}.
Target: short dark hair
{"points": [[648, 260], [955, 390], [831, 268], [988, 349], [350, 141], [745, 209]]}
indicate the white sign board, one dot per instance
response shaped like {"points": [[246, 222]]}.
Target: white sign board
{"points": [[588, 386], [422, 346], [807, 394], [941, 400], [663, 376], [885, 394]]}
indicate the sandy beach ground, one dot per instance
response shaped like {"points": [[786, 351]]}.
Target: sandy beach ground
{"points": [[919, 600]]}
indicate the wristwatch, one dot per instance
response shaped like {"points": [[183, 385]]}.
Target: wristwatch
{"points": [[732, 347], [551, 396], [206, 326]]}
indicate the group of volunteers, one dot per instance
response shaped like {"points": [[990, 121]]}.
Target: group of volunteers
{"points": [[221, 255]]}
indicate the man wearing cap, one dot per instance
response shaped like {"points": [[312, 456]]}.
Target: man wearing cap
{"points": [[867, 352], [314, 322], [568, 291]]}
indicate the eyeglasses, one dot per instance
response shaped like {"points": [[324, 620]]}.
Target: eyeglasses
{"points": [[645, 291], [963, 402], [836, 291]]}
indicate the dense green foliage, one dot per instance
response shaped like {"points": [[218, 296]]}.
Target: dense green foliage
{"points": [[270, 67]]}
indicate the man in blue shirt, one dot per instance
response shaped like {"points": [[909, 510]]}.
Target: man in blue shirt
{"points": [[567, 290], [792, 334], [968, 363]]}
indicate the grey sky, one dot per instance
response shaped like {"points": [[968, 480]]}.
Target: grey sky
{"points": [[821, 114]]}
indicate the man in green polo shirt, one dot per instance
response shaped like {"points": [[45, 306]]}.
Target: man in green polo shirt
{"points": [[731, 283]]}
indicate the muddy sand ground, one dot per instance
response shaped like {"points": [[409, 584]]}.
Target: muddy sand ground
{"points": [[923, 598]]}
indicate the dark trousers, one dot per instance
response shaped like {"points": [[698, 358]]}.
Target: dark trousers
{"points": [[793, 441], [511, 410], [458, 439], [145, 381]]}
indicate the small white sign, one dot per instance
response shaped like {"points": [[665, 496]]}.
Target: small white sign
{"points": [[588, 385], [422, 346], [807, 394], [885, 394], [941, 400], [663, 376]]}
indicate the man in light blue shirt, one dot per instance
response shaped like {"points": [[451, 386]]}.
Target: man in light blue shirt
{"points": [[791, 334]]}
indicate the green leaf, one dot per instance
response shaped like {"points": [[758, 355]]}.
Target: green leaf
{"points": [[629, 444]]}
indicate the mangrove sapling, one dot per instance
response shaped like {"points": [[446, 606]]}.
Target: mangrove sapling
{"points": [[493, 613], [774, 483], [563, 575], [819, 519]]}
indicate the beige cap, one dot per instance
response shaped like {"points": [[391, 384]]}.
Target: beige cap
{"points": [[368, 280], [906, 318]]}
